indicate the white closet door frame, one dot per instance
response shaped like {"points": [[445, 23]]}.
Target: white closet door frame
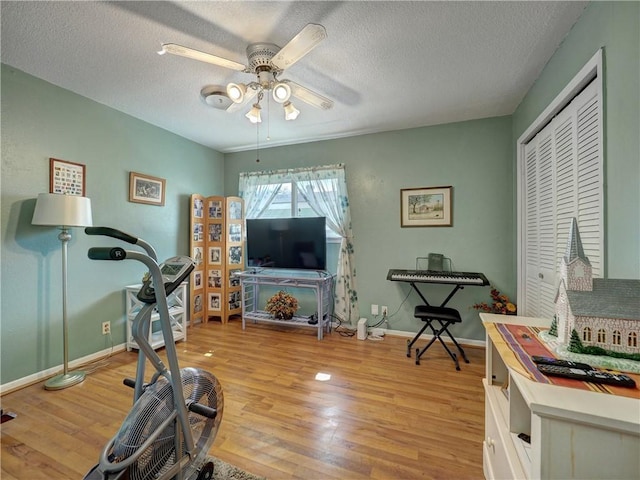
{"points": [[592, 70]]}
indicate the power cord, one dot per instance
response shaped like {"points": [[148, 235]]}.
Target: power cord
{"points": [[91, 367], [342, 331]]}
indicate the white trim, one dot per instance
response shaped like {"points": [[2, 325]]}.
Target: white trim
{"points": [[50, 372], [425, 336], [592, 70]]}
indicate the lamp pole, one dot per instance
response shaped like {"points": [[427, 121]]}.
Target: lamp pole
{"points": [[66, 379]]}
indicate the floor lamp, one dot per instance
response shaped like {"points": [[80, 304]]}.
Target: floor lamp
{"points": [[63, 211]]}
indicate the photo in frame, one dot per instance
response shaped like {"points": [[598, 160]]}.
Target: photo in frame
{"points": [[215, 255], [197, 207], [426, 207], [146, 189], [214, 302], [197, 303], [67, 178], [197, 279]]}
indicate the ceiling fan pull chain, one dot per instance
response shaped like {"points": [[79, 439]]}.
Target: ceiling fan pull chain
{"points": [[257, 143], [268, 117]]}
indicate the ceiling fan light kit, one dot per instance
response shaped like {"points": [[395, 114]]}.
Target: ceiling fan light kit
{"points": [[216, 97], [290, 112], [266, 61], [281, 92], [254, 114], [236, 92]]}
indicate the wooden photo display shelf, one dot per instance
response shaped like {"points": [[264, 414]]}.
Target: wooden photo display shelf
{"points": [[217, 246]]}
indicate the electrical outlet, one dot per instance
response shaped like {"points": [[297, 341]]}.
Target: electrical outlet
{"points": [[384, 310], [106, 328], [374, 309]]}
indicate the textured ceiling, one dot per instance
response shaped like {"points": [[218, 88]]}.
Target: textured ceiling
{"points": [[386, 65]]}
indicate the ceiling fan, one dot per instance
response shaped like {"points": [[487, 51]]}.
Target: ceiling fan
{"points": [[267, 61]]}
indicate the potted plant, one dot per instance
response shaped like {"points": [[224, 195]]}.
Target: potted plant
{"points": [[282, 305]]}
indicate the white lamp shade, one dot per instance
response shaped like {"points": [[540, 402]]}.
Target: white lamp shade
{"points": [[281, 92], [254, 114], [236, 92], [62, 210], [290, 112]]}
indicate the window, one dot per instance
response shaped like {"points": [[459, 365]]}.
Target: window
{"points": [[586, 334], [602, 336], [319, 191], [616, 337], [633, 340], [288, 202]]}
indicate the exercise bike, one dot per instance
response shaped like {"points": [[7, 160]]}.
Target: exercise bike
{"points": [[176, 415]]}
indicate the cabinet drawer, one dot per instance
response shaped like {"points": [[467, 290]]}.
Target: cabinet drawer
{"points": [[500, 459]]}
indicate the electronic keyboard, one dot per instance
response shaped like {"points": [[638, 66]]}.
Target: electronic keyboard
{"points": [[431, 276]]}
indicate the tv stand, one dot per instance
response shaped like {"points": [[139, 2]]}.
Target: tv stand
{"points": [[319, 281]]}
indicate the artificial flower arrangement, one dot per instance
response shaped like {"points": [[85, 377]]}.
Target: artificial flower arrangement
{"points": [[282, 305], [499, 304]]}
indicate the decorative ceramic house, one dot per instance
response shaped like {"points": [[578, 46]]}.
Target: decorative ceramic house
{"points": [[604, 312]]}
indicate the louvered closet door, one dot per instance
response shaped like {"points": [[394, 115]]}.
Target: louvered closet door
{"points": [[563, 179]]}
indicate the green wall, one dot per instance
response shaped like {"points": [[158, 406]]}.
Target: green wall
{"points": [[477, 158], [473, 157], [615, 26], [40, 121]]}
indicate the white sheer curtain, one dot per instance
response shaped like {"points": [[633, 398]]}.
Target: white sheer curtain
{"points": [[325, 190]]}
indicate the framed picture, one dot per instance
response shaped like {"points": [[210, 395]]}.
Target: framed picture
{"points": [[215, 256], [146, 189], [67, 178], [235, 210], [214, 302], [215, 209], [197, 255], [425, 207], [235, 255], [197, 303], [197, 207], [197, 280], [215, 232]]}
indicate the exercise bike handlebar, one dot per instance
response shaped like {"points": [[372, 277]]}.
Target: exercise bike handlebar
{"points": [[120, 235], [107, 253]]}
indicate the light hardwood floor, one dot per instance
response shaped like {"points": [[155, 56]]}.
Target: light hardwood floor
{"points": [[380, 416]]}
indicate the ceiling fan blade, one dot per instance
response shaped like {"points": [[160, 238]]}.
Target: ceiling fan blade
{"points": [[309, 96], [248, 96], [175, 49], [305, 41]]}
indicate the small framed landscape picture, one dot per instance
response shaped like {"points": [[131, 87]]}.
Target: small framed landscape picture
{"points": [[146, 189], [425, 207]]}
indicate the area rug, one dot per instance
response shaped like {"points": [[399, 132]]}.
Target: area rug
{"points": [[224, 471]]}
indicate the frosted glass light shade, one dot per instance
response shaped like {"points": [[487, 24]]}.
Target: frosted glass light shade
{"points": [[236, 92], [281, 92], [62, 210], [254, 114], [290, 112]]}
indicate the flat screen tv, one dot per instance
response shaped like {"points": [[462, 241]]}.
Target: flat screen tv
{"points": [[287, 243]]}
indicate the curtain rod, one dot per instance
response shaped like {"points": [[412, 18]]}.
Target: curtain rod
{"points": [[294, 170]]}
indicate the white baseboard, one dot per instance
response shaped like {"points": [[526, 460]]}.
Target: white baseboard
{"points": [[461, 341], [425, 336], [50, 372]]}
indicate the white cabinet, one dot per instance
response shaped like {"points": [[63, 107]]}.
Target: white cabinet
{"points": [[575, 434], [178, 313]]}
